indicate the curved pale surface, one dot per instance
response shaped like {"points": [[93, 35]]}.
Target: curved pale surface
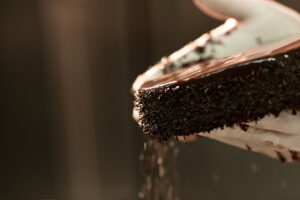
{"points": [[275, 144], [286, 122]]}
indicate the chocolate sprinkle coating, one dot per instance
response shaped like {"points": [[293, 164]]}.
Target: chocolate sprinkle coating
{"points": [[194, 106]]}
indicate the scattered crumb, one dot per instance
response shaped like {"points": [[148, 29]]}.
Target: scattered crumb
{"points": [[259, 40], [141, 157], [159, 161], [254, 167], [244, 127], [283, 184], [216, 177], [280, 157], [248, 147]]}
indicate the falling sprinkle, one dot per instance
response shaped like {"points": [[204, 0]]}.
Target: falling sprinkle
{"points": [[158, 171], [141, 157], [141, 195], [283, 184], [176, 151], [216, 177], [159, 161], [254, 167], [161, 171]]}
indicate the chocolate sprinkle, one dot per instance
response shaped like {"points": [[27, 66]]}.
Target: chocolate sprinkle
{"points": [[244, 127], [248, 147], [280, 157], [295, 155]]}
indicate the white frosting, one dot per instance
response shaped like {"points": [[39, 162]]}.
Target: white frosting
{"points": [[254, 22], [268, 142], [258, 23], [185, 55]]}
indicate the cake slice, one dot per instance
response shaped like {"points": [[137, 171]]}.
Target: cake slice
{"points": [[222, 92], [238, 84]]}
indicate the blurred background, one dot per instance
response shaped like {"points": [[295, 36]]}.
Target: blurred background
{"points": [[66, 127]]}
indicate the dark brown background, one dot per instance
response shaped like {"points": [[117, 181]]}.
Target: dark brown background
{"points": [[66, 127]]}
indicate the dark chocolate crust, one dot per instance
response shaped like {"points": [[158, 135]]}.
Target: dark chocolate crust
{"points": [[247, 92]]}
